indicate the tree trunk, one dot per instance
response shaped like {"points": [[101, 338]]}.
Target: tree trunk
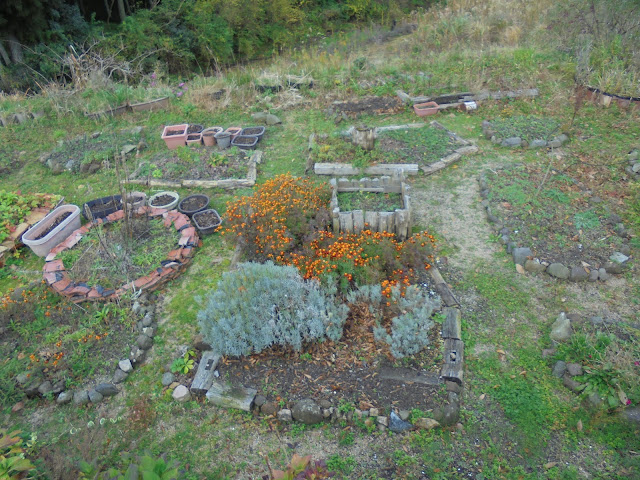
{"points": [[121, 11], [16, 49], [4, 56], [364, 137]]}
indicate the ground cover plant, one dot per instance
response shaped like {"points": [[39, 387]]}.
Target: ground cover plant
{"points": [[385, 202], [526, 127], [551, 213], [413, 145], [46, 338], [195, 163], [16, 206], [115, 254]]}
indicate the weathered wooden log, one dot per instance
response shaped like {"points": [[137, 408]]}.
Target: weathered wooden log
{"points": [[205, 375], [364, 138], [358, 221], [452, 325], [453, 360]]}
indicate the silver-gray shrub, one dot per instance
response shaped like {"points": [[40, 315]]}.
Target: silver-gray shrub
{"points": [[409, 329], [260, 305]]}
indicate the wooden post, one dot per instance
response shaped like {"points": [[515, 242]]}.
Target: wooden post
{"points": [[364, 137]]}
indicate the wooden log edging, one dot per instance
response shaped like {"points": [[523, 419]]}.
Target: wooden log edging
{"points": [[398, 222], [56, 276], [227, 183], [466, 147]]}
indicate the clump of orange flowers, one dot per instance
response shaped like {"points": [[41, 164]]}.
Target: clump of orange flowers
{"points": [[285, 221]]}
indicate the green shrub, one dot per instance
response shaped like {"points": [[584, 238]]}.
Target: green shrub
{"points": [[260, 305]]}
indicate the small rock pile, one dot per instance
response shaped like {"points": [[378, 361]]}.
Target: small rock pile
{"points": [[633, 168], [516, 142]]}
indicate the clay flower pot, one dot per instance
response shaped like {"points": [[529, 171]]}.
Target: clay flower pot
{"points": [[424, 109], [175, 135], [208, 135], [194, 139], [233, 131]]}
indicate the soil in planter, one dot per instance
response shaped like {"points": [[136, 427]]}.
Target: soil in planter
{"points": [[208, 219], [244, 140], [253, 131], [58, 221], [556, 221], [369, 201], [193, 203], [194, 129], [345, 371], [162, 200], [171, 133], [196, 164], [106, 256]]}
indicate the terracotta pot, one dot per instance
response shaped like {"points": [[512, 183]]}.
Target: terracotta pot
{"points": [[424, 109], [233, 131], [178, 135], [194, 139], [208, 135]]}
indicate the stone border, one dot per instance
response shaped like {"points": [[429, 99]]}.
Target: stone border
{"points": [[309, 411], [177, 261], [146, 329], [228, 184], [633, 169], [397, 222], [343, 169], [19, 118], [524, 257], [516, 142]]}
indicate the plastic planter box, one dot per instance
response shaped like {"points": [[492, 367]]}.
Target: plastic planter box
{"points": [[42, 246], [253, 131], [245, 142], [206, 230], [168, 206], [178, 139], [184, 210], [101, 207], [424, 109]]}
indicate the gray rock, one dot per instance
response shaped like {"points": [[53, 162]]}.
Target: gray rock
{"points": [[574, 369], [167, 379], [548, 352], [593, 275], [404, 414], [181, 394], [633, 155], [272, 119], [561, 328], [614, 267], [621, 231], [631, 415], [59, 386], [149, 331], [144, 342], [147, 320], [512, 142], [572, 385], [558, 270], [618, 257], [635, 168], [625, 249], [450, 414], [562, 138], [324, 403], [426, 423], [137, 355], [259, 117], [259, 400], [125, 365], [284, 415], [307, 411], [453, 387], [614, 219], [64, 397], [559, 369], [520, 255], [603, 275], [538, 143], [81, 397], [511, 246], [596, 320], [95, 396], [45, 388], [578, 274], [534, 266], [136, 307], [382, 420], [119, 376], [269, 408], [128, 148], [374, 412], [107, 389], [555, 143], [595, 199], [22, 379]]}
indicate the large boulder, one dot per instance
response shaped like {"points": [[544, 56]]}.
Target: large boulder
{"points": [[307, 411], [561, 328]]}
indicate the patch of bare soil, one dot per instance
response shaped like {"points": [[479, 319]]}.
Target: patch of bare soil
{"points": [[369, 106]]}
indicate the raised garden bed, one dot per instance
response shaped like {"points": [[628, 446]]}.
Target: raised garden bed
{"points": [[90, 153], [550, 224], [187, 167], [398, 221], [167, 264], [410, 148], [524, 131]]}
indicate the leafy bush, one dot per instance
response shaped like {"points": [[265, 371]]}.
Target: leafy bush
{"points": [[143, 468], [410, 310], [260, 305], [13, 464]]}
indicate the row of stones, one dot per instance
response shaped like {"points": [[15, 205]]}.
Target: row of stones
{"points": [[146, 329], [524, 256], [633, 158], [515, 142], [57, 278]]}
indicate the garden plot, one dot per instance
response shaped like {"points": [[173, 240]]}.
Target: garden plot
{"points": [[199, 167], [90, 153], [559, 221], [410, 148], [524, 131]]}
